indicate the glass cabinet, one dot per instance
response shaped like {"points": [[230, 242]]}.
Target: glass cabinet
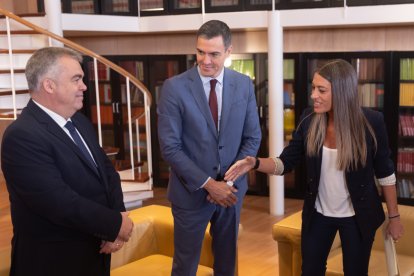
{"points": [[308, 4], [185, 6], [113, 106], [404, 65], [160, 69], [223, 5]]}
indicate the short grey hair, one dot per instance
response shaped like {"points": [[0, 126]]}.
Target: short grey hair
{"points": [[214, 28], [44, 61]]}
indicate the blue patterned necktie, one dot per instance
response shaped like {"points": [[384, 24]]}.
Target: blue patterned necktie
{"points": [[78, 141]]}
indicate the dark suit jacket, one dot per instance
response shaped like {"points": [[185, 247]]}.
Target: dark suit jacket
{"points": [[361, 184], [61, 208], [189, 140]]}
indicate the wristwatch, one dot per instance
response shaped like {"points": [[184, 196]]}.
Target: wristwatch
{"points": [[257, 164]]}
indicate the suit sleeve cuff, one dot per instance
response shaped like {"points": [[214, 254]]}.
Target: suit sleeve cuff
{"points": [[204, 184]]}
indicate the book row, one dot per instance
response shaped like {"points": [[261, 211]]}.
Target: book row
{"points": [[288, 69], [406, 94], [102, 69], [407, 69], [406, 125], [369, 69], [405, 160], [371, 95], [405, 188]]}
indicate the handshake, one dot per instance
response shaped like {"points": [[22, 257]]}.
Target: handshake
{"points": [[123, 236]]}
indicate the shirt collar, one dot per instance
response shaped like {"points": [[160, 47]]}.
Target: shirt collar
{"points": [[56, 117], [219, 78]]}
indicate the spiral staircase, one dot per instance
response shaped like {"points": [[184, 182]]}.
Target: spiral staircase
{"points": [[19, 38]]}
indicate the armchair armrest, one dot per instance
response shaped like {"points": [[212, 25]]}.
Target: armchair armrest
{"points": [[287, 233], [153, 233]]}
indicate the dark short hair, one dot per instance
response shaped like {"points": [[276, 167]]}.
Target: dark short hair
{"points": [[43, 61], [214, 28]]}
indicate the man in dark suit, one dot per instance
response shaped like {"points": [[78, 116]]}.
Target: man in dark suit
{"points": [[66, 200], [200, 144]]}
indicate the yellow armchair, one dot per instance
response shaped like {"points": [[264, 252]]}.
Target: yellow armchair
{"points": [[150, 249], [5, 254], [151, 246], [287, 233]]}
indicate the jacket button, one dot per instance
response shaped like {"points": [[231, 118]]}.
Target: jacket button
{"points": [[362, 185], [220, 147], [362, 198]]}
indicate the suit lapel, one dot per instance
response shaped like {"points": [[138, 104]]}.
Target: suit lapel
{"points": [[197, 90], [51, 126], [89, 141]]}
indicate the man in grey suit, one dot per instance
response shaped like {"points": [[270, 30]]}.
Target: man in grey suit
{"points": [[200, 143]]}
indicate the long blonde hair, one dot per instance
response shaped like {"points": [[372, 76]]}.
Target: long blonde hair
{"points": [[350, 123]]}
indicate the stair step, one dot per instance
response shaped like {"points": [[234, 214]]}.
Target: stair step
{"points": [[110, 150], [37, 14], [121, 165], [126, 176], [134, 200], [16, 71], [18, 51], [19, 60], [8, 113], [139, 177], [4, 92], [135, 186], [23, 39], [20, 101], [19, 32], [40, 21], [6, 80]]}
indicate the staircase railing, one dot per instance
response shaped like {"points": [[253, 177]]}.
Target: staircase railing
{"points": [[130, 79]]}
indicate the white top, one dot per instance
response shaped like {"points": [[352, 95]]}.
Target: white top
{"points": [[333, 198]]}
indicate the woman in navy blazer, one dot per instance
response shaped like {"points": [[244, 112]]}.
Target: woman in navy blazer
{"points": [[345, 148]]}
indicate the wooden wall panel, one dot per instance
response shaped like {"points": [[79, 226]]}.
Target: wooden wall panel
{"points": [[7, 4], [361, 39], [172, 44], [307, 40], [397, 38]]}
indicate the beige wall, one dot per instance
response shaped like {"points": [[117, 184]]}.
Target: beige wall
{"points": [[396, 38], [7, 4], [19, 6]]}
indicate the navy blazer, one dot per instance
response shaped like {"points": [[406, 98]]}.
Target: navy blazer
{"points": [[55, 194], [360, 182], [189, 140]]}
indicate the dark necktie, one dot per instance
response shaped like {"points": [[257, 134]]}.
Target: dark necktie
{"points": [[212, 101], [78, 141]]}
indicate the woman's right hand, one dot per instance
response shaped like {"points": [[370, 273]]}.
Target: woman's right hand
{"points": [[239, 168]]}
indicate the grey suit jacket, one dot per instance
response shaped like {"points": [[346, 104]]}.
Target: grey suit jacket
{"points": [[189, 140]]}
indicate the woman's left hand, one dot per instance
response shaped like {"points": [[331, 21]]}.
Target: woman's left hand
{"points": [[239, 168], [395, 229]]}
